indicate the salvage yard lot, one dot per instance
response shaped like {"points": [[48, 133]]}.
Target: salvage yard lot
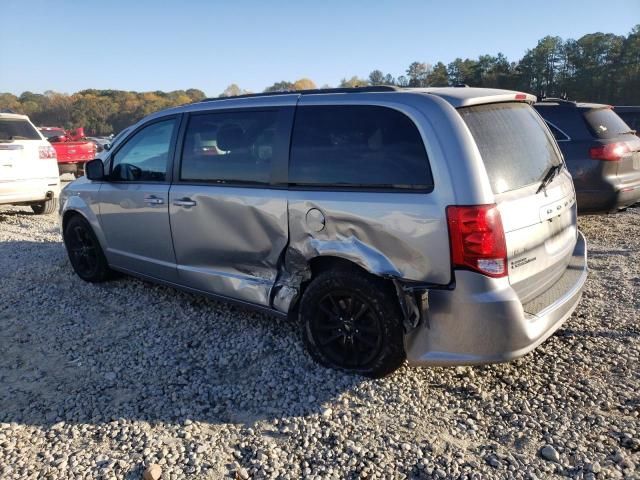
{"points": [[99, 380]]}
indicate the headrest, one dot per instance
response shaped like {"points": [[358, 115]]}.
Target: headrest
{"points": [[230, 137]]}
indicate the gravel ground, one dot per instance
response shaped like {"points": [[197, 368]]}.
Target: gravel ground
{"points": [[99, 381]]}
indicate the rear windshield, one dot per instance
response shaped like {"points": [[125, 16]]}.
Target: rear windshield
{"points": [[514, 143], [17, 129], [605, 123], [52, 133]]}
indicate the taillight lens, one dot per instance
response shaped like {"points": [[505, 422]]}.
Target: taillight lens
{"points": [[477, 239], [47, 152], [611, 152]]}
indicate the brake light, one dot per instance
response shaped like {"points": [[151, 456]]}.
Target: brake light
{"points": [[612, 152], [477, 239], [521, 96], [46, 152]]}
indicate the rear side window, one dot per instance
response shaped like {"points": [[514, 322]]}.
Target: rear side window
{"points": [[17, 129], [632, 119], [357, 146], [515, 146], [230, 147], [605, 123]]}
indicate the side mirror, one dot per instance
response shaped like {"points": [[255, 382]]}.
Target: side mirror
{"points": [[94, 170], [106, 146], [58, 139]]}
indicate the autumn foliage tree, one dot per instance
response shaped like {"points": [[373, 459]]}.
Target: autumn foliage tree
{"points": [[598, 67]]}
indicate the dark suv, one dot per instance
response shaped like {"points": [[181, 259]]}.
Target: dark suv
{"points": [[601, 152]]}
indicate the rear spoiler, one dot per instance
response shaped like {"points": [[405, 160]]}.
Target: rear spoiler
{"points": [[464, 97]]}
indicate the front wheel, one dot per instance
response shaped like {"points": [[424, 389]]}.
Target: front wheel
{"points": [[351, 321], [85, 253]]}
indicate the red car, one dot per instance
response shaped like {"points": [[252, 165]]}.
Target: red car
{"points": [[72, 150]]}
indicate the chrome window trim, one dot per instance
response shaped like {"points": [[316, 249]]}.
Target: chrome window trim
{"points": [[567, 137]]}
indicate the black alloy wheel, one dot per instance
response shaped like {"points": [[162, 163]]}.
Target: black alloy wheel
{"points": [[351, 321], [85, 253]]}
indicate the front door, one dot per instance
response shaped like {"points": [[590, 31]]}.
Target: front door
{"points": [[229, 221], [134, 202]]}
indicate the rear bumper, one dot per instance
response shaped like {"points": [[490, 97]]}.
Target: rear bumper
{"points": [[609, 199], [25, 192], [483, 321]]}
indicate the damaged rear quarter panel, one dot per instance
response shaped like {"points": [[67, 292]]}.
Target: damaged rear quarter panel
{"points": [[401, 235]]}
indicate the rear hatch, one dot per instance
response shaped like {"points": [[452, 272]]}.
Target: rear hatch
{"points": [[73, 152], [616, 144], [19, 142], [540, 223]]}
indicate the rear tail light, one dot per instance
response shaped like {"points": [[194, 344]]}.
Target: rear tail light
{"points": [[611, 152], [46, 152], [477, 239]]}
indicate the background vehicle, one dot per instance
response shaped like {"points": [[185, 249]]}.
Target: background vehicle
{"points": [[601, 152], [99, 142], [437, 223], [28, 168], [72, 149], [630, 115]]}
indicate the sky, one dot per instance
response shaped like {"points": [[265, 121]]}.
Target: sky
{"points": [[145, 45]]}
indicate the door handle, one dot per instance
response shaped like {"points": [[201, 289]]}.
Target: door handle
{"points": [[184, 202], [153, 200]]}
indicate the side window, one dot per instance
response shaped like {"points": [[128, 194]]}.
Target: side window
{"points": [[559, 135], [145, 155], [358, 146], [229, 147]]}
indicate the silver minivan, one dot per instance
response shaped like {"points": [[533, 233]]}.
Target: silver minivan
{"points": [[436, 225]]}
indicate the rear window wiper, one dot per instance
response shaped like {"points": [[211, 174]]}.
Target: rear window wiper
{"points": [[550, 175]]}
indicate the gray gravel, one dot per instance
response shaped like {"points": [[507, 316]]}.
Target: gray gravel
{"points": [[104, 381]]}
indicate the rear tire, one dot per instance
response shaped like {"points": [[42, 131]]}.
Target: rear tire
{"points": [[351, 321], [85, 254], [46, 207]]}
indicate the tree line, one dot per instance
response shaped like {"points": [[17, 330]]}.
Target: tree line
{"points": [[597, 67]]}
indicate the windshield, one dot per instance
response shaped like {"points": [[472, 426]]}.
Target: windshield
{"points": [[605, 123], [17, 129], [515, 145], [56, 132]]}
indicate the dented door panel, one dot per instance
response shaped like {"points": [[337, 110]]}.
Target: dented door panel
{"points": [[230, 242]]}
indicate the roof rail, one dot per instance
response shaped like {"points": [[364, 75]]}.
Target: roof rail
{"points": [[557, 100], [373, 88]]}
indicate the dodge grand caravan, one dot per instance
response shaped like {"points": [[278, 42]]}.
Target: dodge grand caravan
{"points": [[436, 225]]}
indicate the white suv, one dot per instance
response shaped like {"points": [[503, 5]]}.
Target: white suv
{"points": [[28, 165]]}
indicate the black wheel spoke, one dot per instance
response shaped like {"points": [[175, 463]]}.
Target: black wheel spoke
{"points": [[334, 304], [330, 313], [363, 309], [328, 326], [332, 338], [364, 340], [78, 233], [366, 328]]}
